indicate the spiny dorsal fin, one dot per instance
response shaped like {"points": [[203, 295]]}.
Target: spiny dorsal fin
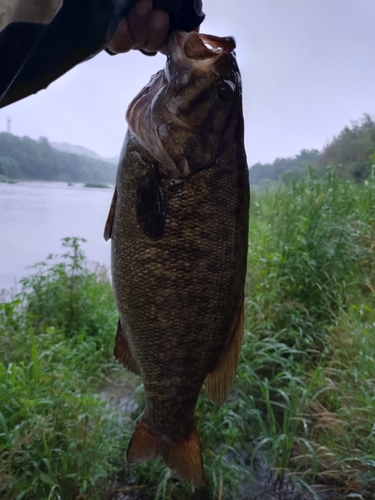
{"points": [[123, 353], [219, 382], [111, 216]]}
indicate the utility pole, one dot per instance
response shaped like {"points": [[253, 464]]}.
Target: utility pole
{"points": [[9, 123]]}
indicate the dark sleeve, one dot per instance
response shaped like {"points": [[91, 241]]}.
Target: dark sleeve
{"points": [[185, 14], [34, 55]]}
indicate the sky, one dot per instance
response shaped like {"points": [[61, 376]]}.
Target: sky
{"points": [[308, 70]]}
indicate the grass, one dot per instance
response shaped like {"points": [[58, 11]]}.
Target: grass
{"points": [[304, 399], [56, 438]]}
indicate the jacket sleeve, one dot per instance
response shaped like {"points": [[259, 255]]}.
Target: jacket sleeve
{"points": [[40, 40]]}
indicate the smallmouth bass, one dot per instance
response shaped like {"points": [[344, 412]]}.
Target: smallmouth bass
{"points": [[179, 228]]}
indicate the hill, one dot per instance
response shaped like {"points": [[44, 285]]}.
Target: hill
{"points": [[81, 150], [24, 158]]}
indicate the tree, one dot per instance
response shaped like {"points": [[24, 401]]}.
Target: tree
{"points": [[39, 160], [352, 149], [9, 168]]}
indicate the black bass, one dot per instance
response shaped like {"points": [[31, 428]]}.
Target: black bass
{"points": [[179, 229]]}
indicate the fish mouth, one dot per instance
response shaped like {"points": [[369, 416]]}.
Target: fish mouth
{"points": [[201, 46]]}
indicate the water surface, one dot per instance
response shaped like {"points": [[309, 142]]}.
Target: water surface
{"points": [[36, 215]]}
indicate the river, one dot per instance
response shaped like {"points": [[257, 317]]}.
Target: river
{"points": [[36, 215]]}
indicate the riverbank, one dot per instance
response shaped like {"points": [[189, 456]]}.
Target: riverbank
{"points": [[300, 418]]}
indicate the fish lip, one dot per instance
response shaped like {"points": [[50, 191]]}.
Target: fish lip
{"points": [[200, 46], [226, 44]]}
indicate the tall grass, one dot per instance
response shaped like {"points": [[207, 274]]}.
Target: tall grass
{"points": [[303, 406], [310, 302], [56, 438]]}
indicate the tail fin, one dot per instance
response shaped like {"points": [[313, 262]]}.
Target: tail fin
{"points": [[183, 456]]}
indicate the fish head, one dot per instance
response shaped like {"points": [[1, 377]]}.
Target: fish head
{"points": [[180, 117]]}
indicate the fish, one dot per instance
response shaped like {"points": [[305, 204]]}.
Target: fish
{"points": [[178, 225]]}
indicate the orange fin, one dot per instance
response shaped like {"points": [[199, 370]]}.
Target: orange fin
{"points": [[219, 382], [111, 216], [143, 445], [123, 353], [183, 456]]}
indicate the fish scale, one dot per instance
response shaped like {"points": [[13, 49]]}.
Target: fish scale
{"points": [[179, 247]]}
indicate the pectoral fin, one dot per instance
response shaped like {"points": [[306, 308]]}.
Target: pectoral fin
{"points": [[151, 204], [111, 216], [219, 382], [123, 353]]}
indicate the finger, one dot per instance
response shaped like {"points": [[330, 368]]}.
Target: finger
{"points": [[157, 36], [122, 40], [139, 22]]}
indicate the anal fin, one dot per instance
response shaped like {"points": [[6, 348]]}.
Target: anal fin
{"points": [[219, 382], [111, 217], [183, 455], [123, 353]]}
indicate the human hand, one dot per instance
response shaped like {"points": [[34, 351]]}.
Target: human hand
{"points": [[144, 28]]}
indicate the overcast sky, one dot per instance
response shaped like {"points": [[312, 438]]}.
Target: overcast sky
{"points": [[308, 69]]}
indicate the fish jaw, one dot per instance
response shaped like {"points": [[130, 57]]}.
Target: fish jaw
{"points": [[180, 116], [196, 53]]}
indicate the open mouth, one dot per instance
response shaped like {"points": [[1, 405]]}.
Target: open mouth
{"points": [[200, 46]]}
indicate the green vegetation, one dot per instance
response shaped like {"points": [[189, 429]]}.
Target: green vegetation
{"points": [[304, 399], [24, 158], [57, 440], [96, 185], [353, 150]]}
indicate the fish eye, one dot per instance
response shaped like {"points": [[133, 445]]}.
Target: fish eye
{"points": [[225, 90]]}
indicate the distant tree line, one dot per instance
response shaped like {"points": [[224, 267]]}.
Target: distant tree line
{"points": [[24, 158], [353, 150], [284, 166]]}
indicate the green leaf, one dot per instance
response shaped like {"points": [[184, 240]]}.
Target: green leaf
{"points": [[5, 428], [47, 479]]}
